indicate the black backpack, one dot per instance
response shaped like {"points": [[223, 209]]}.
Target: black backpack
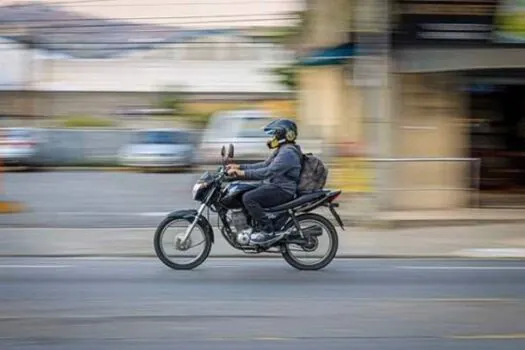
{"points": [[313, 173]]}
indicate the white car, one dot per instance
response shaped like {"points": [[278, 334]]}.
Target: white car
{"points": [[19, 146], [159, 148], [243, 129]]}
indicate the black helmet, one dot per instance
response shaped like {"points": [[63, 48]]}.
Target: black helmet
{"points": [[282, 131]]}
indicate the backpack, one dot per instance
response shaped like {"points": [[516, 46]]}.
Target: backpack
{"points": [[313, 173]]}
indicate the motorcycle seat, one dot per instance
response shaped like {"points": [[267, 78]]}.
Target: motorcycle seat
{"points": [[301, 199]]}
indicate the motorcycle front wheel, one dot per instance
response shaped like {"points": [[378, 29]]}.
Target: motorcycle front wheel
{"points": [[168, 241], [314, 259]]}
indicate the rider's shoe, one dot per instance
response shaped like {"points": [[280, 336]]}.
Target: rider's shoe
{"points": [[263, 237], [266, 235]]}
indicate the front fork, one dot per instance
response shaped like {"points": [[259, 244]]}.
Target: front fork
{"points": [[192, 225]]}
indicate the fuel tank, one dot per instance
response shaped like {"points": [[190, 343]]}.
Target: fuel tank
{"points": [[232, 193]]}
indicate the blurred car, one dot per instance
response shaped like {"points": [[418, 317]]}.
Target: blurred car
{"points": [[20, 146], [159, 148], [244, 129]]}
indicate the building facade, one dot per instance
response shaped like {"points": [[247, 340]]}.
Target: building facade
{"points": [[433, 55], [213, 67]]}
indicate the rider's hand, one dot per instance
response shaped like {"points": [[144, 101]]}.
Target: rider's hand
{"points": [[235, 172], [232, 166]]}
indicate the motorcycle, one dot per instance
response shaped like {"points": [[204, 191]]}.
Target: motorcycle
{"points": [[222, 194]]}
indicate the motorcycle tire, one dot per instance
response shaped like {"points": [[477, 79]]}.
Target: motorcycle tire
{"points": [[332, 232], [176, 266]]}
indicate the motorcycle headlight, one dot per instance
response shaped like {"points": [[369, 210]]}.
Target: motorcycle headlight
{"points": [[198, 188]]}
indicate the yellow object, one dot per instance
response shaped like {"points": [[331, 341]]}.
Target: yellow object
{"points": [[351, 175], [9, 207]]}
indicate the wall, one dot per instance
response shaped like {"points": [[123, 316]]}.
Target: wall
{"points": [[143, 74], [72, 103], [427, 124], [13, 60]]}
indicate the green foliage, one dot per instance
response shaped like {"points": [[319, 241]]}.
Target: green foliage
{"points": [[287, 76], [198, 120], [174, 102]]}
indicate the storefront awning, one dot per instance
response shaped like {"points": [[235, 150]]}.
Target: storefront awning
{"points": [[329, 56]]}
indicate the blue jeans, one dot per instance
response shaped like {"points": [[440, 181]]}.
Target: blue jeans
{"points": [[265, 196]]}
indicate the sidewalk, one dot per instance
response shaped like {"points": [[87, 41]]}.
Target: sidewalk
{"points": [[456, 217], [496, 240]]}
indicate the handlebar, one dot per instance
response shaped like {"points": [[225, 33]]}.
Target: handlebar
{"points": [[222, 176]]}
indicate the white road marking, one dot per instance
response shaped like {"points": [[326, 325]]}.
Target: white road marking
{"points": [[461, 267], [98, 213], [493, 252], [154, 214], [33, 266]]}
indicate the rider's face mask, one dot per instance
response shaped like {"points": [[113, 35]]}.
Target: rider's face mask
{"points": [[274, 141]]}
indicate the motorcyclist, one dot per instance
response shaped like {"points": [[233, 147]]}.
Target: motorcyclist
{"points": [[279, 174]]}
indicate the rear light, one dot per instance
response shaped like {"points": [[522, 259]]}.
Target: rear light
{"points": [[334, 196]]}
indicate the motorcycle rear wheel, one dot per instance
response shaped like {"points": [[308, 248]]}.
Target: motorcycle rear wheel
{"points": [[331, 231]]}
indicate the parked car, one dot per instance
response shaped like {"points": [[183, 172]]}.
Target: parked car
{"points": [[244, 129], [20, 146], [159, 148]]}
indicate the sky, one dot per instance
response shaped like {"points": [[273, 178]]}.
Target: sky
{"points": [[243, 12]]}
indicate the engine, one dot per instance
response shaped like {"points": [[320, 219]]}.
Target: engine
{"points": [[240, 222]]}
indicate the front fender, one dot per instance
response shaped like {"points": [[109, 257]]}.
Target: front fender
{"points": [[190, 214]]}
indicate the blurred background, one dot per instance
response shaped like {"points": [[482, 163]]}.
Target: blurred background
{"points": [[110, 110], [415, 104]]}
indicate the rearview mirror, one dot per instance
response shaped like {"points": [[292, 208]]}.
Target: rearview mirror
{"points": [[230, 151]]}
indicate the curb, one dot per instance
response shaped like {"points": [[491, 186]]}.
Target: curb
{"points": [[389, 224], [98, 169], [278, 256], [11, 207]]}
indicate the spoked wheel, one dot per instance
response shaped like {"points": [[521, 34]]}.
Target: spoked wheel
{"points": [[319, 247], [169, 245]]}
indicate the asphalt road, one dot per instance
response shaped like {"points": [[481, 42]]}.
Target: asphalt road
{"points": [[261, 304], [96, 199]]}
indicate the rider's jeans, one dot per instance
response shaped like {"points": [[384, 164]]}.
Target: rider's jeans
{"points": [[265, 196]]}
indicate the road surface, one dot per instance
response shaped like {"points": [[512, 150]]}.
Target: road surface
{"points": [[96, 199], [261, 304]]}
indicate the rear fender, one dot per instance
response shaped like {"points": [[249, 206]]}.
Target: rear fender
{"points": [[190, 214], [327, 201]]}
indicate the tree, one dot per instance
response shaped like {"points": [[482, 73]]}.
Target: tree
{"points": [[287, 76]]}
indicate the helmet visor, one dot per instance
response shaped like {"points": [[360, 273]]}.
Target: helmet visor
{"points": [[269, 132], [269, 129]]}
